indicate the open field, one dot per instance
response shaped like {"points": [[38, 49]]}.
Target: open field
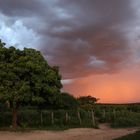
{"points": [[104, 133]]}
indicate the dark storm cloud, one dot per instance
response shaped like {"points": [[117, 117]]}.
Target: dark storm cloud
{"points": [[20, 7], [92, 40], [83, 37]]}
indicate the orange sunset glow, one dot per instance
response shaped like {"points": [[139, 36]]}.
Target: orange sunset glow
{"points": [[122, 87]]}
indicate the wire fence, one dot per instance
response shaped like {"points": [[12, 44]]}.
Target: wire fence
{"points": [[71, 118]]}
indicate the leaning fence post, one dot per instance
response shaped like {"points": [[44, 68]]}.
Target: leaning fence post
{"points": [[79, 117], [93, 118], [114, 114], [66, 116], [104, 114], [52, 117]]}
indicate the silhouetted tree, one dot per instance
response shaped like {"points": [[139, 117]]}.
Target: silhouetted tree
{"points": [[87, 101]]}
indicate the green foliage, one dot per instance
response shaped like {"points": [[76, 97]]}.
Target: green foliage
{"points": [[126, 119], [87, 102], [26, 78], [130, 107], [117, 116], [66, 101], [30, 118], [5, 119]]}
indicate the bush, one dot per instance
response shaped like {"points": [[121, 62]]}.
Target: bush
{"points": [[5, 119], [126, 119]]}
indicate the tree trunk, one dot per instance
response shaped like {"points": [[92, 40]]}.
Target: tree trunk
{"points": [[14, 120]]}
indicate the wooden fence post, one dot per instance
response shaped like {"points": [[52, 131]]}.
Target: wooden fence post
{"points": [[93, 118], [104, 114], [66, 117], [41, 117], [79, 117], [52, 117], [114, 114]]}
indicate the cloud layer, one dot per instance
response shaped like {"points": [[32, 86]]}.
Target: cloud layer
{"points": [[83, 37]]}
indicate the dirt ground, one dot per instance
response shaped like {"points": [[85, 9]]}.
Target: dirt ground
{"points": [[104, 133]]}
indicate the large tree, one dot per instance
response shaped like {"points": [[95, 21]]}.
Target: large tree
{"points": [[25, 77]]}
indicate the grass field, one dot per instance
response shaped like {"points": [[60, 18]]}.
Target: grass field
{"points": [[135, 136]]}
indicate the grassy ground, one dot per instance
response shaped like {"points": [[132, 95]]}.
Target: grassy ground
{"points": [[135, 136]]}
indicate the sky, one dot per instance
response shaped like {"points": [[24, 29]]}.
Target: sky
{"points": [[96, 43]]}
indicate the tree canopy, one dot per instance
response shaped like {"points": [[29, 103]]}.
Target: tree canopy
{"points": [[26, 77], [66, 101], [87, 102]]}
